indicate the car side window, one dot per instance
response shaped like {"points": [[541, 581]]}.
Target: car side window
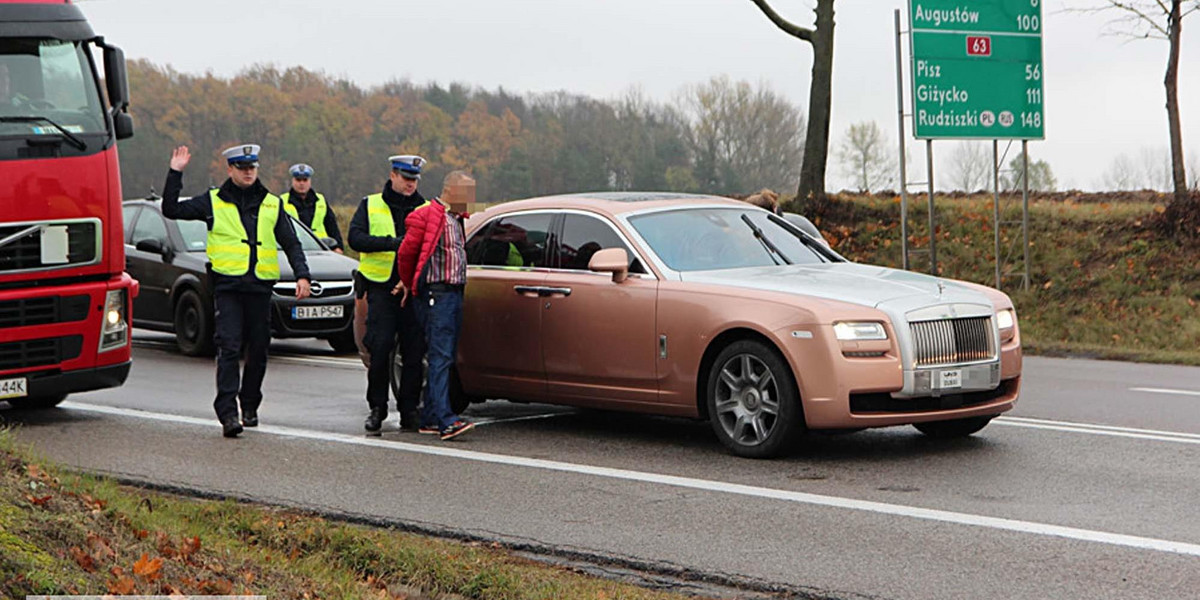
{"points": [[150, 226], [582, 237], [515, 241], [128, 214]]}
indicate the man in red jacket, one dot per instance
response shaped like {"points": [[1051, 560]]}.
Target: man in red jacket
{"points": [[432, 265]]}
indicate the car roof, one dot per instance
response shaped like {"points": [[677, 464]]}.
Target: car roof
{"points": [[612, 203]]}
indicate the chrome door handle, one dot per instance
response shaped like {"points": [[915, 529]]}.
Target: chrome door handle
{"points": [[530, 291], [556, 291]]}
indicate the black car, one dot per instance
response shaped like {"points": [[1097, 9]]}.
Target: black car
{"points": [[167, 257]]}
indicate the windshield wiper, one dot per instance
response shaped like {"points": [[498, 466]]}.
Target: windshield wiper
{"points": [[70, 137], [772, 249]]}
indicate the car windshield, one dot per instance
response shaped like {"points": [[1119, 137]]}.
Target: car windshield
{"points": [[47, 79], [711, 238], [195, 236]]}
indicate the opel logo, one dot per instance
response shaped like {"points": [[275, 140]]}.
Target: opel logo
{"points": [[316, 288]]}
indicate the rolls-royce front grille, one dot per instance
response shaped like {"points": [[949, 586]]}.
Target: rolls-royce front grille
{"points": [[21, 248], [953, 341]]}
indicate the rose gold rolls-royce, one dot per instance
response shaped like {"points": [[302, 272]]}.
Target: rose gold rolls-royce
{"points": [[703, 307]]}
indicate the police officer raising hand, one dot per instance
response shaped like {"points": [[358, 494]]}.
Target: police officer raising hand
{"points": [[246, 227]]}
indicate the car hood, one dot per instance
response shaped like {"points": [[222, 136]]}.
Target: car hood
{"points": [[866, 285], [323, 264]]}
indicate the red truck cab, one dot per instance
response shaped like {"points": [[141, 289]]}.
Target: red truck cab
{"points": [[64, 296]]}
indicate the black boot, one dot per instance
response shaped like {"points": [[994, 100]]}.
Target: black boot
{"points": [[249, 417], [374, 421], [230, 427]]}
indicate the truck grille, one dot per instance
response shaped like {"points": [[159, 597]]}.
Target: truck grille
{"points": [[39, 353], [952, 341], [43, 311], [25, 252]]}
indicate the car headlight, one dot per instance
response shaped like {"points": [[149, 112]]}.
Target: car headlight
{"points": [[853, 331], [1006, 321], [114, 330]]}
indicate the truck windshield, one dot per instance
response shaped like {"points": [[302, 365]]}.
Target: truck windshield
{"points": [[50, 79]]}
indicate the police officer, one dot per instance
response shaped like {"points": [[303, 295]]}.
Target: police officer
{"points": [[245, 221], [376, 232], [310, 207]]}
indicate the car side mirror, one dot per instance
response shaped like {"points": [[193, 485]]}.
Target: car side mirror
{"points": [[155, 246], [328, 241], [611, 260]]}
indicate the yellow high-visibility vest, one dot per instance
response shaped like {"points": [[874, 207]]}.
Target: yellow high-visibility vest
{"points": [[229, 246], [318, 224], [378, 266]]}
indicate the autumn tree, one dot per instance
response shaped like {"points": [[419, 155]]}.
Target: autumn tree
{"points": [[811, 191], [864, 155], [1041, 176], [1161, 19], [742, 138]]}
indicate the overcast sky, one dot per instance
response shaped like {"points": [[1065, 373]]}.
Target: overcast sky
{"points": [[1104, 95]]}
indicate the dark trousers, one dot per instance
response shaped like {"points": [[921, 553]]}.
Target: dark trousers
{"points": [[440, 312], [386, 320], [243, 319]]}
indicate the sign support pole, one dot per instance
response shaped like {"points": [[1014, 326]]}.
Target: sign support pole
{"points": [[1025, 210], [932, 218], [996, 203], [903, 150]]}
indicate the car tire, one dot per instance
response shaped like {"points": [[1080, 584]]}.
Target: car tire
{"points": [[459, 400], [193, 325], [753, 402], [957, 428], [343, 343], [36, 402]]}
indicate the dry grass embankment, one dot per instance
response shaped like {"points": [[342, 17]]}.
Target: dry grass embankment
{"points": [[63, 533]]}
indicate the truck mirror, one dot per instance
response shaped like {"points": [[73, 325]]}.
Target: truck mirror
{"points": [[123, 125], [115, 78]]}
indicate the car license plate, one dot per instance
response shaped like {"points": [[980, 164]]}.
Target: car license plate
{"points": [[950, 378], [13, 388], [317, 312]]}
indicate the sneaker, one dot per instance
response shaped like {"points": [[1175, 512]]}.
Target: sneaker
{"points": [[429, 429], [250, 418], [458, 428], [374, 422]]}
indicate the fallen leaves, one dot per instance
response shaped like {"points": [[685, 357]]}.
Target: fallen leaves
{"points": [[147, 568]]}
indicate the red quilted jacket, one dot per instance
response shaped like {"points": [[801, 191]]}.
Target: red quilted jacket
{"points": [[422, 229]]}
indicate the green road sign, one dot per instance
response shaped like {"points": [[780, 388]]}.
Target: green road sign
{"points": [[977, 69]]}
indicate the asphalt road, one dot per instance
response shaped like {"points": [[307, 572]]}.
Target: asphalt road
{"points": [[1087, 490]]}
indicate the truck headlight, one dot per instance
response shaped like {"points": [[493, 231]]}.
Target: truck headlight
{"points": [[1006, 322], [114, 329], [857, 331]]}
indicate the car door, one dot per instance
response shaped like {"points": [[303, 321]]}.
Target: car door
{"points": [[149, 268], [500, 350], [598, 336]]}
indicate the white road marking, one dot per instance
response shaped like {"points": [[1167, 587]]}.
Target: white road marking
{"points": [[1165, 391], [525, 418], [1108, 430], [1015, 525]]}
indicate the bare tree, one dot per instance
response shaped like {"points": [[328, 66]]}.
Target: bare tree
{"points": [[865, 157], [811, 192], [1122, 174], [743, 138], [971, 167], [1156, 169], [1161, 19]]}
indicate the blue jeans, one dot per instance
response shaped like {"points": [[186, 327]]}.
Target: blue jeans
{"points": [[440, 314]]}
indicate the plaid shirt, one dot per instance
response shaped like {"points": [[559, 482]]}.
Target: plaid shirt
{"points": [[448, 263]]}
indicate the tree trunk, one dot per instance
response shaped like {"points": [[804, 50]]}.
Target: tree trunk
{"points": [[1178, 169], [811, 193], [1183, 211]]}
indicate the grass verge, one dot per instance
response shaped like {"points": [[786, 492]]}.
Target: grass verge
{"points": [[66, 533]]}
